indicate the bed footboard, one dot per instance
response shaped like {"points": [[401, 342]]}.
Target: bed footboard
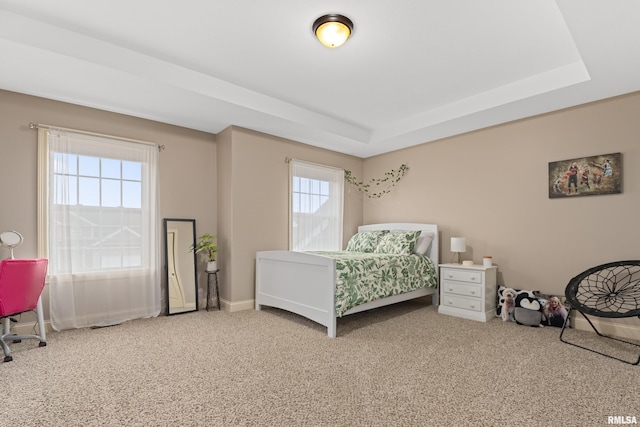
{"points": [[298, 282]]}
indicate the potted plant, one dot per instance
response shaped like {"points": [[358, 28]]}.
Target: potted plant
{"points": [[206, 247]]}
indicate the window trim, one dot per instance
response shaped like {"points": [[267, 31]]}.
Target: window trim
{"points": [[44, 196], [292, 164]]}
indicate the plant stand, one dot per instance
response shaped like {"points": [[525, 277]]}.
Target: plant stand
{"points": [[213, 275]]}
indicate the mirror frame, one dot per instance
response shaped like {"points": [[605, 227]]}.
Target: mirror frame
{"points": [[188, 244], [11, 239]]}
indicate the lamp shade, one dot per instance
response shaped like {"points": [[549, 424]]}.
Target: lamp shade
{"points": [[458, 244], [332, 30]]}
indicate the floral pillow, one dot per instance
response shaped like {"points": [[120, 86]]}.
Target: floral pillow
{"points": [[365, 241], [398, 243]]}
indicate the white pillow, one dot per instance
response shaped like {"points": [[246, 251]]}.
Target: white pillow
{"points": [[423, 243]]}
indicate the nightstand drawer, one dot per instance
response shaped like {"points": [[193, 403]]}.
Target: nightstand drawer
{"points": [[462, 289], [461, 302], [462, 275]]}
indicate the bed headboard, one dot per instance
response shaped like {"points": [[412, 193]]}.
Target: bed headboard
{"points": [[434, 249]]}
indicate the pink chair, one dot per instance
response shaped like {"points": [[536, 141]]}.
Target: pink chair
{"points": [[21, 284]]}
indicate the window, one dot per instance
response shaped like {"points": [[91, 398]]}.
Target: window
{"points": [[99, 228], [106, 229], [316, 201]]}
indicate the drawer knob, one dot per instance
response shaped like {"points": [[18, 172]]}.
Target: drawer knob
{"points": [[473, 292], [450, 289], [473, 277], [472, 305], [450, 275], [450, 302]]}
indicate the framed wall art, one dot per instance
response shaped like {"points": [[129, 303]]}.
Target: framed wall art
{"points": [[586, 176]]}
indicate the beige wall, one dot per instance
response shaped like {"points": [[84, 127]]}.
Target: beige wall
{"points": [[490, 186], [187, 164], [254, 202], [234, 184]]}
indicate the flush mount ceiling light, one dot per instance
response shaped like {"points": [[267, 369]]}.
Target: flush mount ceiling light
{"points": [[333, 30]]}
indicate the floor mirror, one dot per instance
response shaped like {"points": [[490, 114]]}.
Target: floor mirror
{"points": [[180, 266]]}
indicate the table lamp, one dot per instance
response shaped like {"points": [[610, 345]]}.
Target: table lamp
{"points": [[458, 245]]}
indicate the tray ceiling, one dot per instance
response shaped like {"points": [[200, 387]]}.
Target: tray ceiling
{"points": [[413, 71]]}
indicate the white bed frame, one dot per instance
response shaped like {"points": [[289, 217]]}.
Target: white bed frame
{"points": [[305, 283]]}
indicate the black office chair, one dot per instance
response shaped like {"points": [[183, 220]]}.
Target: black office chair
{"points": [[609, 290]]}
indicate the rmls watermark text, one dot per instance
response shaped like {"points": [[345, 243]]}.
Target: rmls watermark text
{"points": [[622, 419]]}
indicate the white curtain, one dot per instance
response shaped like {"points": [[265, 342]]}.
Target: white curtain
{"points": [[316, 207], [99, 227]]}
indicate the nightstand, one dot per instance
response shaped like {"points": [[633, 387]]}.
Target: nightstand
{"points": [[468, 291]]}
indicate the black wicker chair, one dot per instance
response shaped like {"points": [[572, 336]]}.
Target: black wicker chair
{"points": [[609, 290]]}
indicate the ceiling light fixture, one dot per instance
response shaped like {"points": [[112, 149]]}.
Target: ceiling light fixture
{"points": [[333, 30]]}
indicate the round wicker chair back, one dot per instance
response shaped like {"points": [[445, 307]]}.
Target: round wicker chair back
{"points": [[608, 290]]}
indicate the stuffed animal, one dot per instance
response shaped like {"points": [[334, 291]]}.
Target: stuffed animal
{"points": [[527, 311], [555, 313], [509, 305]]}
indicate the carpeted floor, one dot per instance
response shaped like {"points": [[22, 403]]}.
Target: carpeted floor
{"points": [[404, 365]]}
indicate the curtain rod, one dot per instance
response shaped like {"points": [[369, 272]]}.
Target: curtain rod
{"points": [[43, 126], [288, 160]]}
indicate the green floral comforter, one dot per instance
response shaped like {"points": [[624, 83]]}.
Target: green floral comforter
{"points": [[364, 277]]}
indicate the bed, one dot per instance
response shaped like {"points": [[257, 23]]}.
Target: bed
{"points": [[307, 283]]}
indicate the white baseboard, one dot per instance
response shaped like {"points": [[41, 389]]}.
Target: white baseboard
{"points": [[29, 328], [249, 304], [609, 327]]}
